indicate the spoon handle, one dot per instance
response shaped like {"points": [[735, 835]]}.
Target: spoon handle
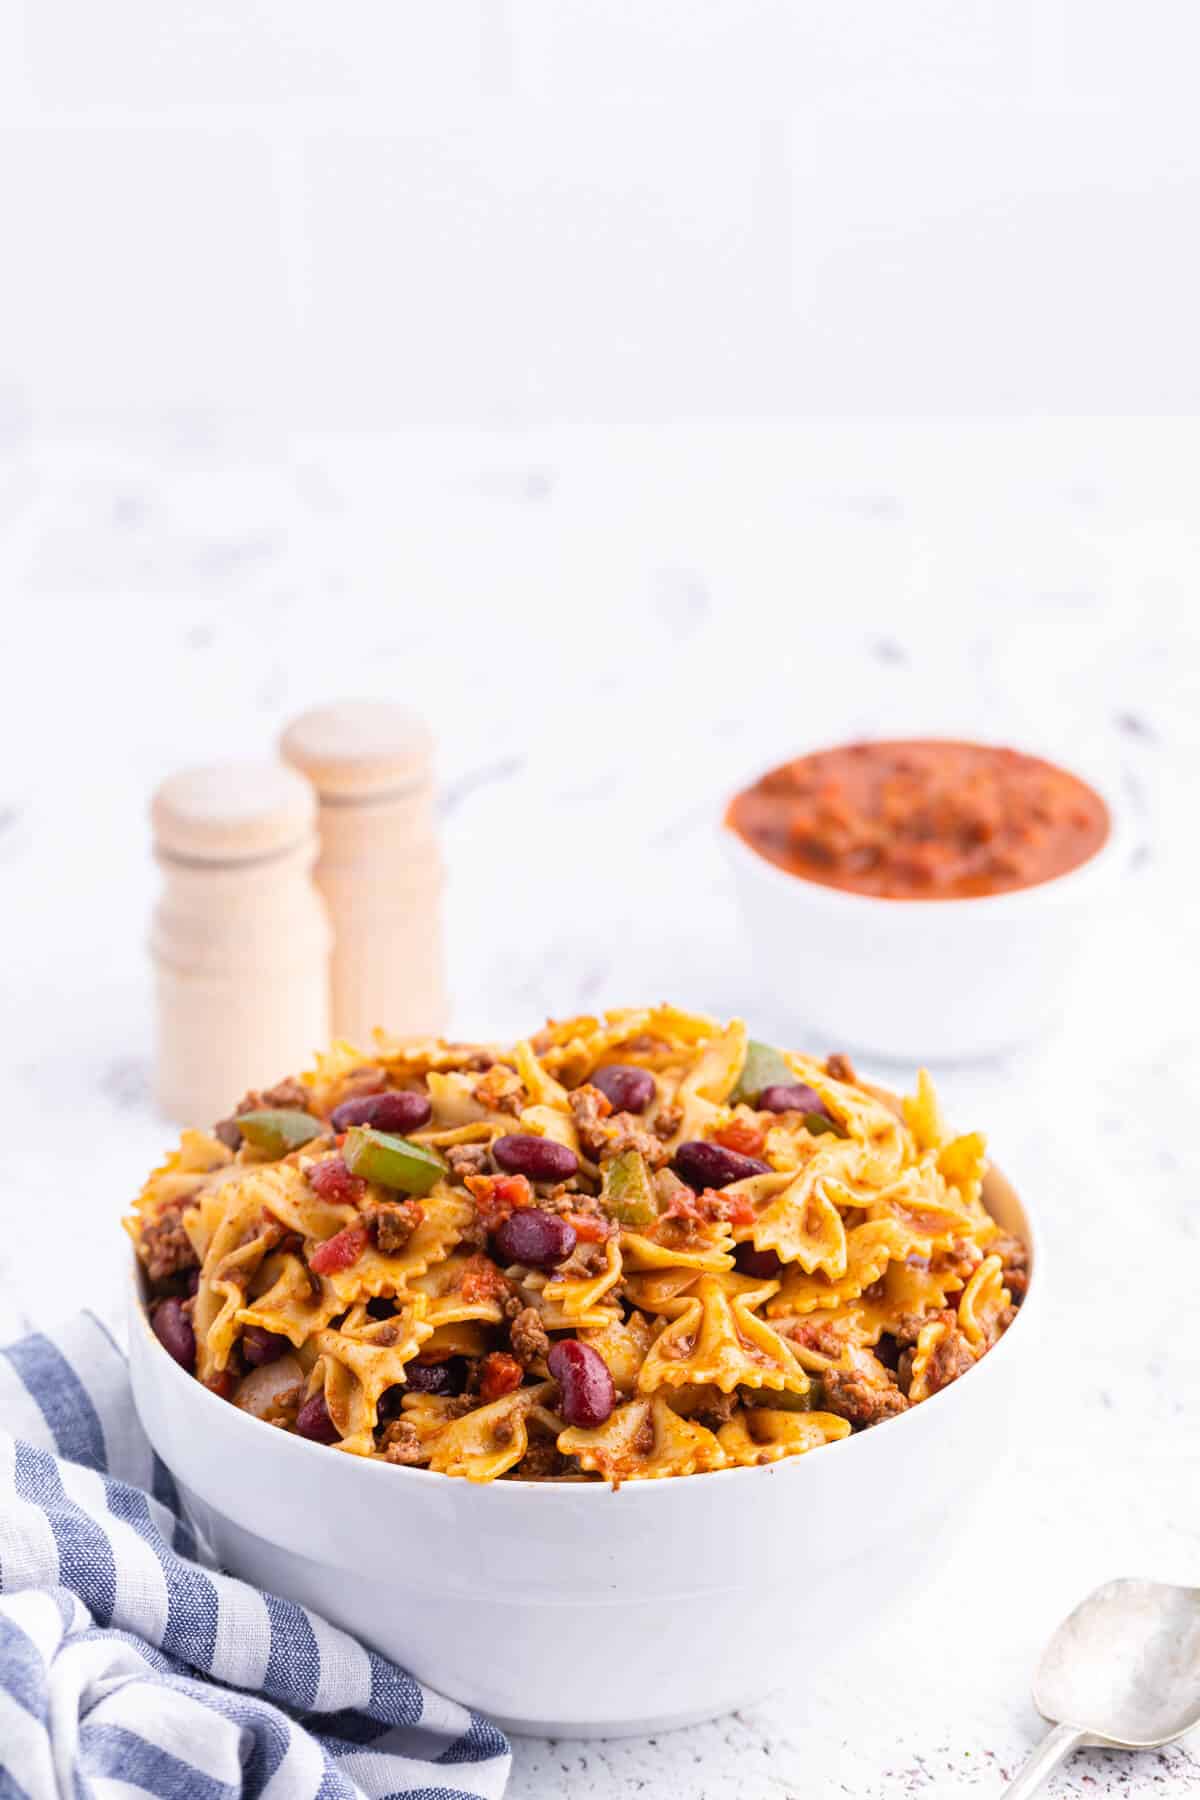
{"points": [[1053, 1749]]}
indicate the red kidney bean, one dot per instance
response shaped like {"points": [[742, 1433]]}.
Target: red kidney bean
{"points": [[588, 1394], [779, 1098], [764, 1265], [313, 1421], [447, 1377], [173, 1329], [537, 1158], [704, 1165], [260, 1346], [404, 1110], [626, 1089], [540, 1239]]}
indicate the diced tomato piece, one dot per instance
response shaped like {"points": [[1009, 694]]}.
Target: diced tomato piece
{"points": [[500, 1375], [682, 1204], [496, 1196], [339, 1251], [743, 1136], [588, 1228], [333, 1181]]}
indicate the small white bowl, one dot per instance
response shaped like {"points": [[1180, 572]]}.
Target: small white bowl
{"points": [[573, 1610], [920, 980]]}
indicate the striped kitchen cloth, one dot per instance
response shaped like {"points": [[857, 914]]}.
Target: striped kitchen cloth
{"points": [[130, 1666]]}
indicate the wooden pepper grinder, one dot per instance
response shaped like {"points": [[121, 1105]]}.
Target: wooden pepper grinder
{"points": [[239, 937], [380, 869]]}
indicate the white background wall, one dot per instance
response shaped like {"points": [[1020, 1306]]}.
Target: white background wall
{"points": [[370, 212]]}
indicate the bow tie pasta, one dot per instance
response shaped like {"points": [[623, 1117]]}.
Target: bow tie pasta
{"points": [[625, 1248]]}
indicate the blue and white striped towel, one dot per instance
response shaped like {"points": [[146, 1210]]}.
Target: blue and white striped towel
{"points": [[129, 1666]]}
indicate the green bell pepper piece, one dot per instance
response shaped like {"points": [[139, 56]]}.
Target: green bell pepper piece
{"points": [[391, 1161], [784, 1400], [277, 1129], [763, 1067], [819, 1122], [628, 1193]]}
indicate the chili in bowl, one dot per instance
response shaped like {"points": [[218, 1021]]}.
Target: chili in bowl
{"points": [[500, 1355], [929, 898]]}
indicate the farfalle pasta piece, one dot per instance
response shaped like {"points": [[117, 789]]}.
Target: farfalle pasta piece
{"points": [[869, 1249], [286, 1194], [455, 1291], [802, 1225], [540, 1085], [716, 1337], [709, 1249], [578, 1296], [919, 1201], [907, 1289], [706, 1087], [763, 1434], [644, 1440], [452, 1097], [288, 1299], [359, 1362], [466, 1337], [240, 1242], [652, 1290], [923, 1114], [985, 1303], [532, 1287], [962, 1164], [485, 1443], [623, 1343]]}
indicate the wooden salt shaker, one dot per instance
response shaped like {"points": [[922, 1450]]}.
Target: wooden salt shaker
{"points": [[380, 869], [239, 937]]}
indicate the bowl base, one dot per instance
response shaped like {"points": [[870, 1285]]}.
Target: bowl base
{"points": [[555, 1728]]}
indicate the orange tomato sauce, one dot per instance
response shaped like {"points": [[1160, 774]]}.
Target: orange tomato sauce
{"points": [[922, 819]]}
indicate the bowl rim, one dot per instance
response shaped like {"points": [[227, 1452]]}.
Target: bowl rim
{"points": [[1103, 863], [1032, 1237]]}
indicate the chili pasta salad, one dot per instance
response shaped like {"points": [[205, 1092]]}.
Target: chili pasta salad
{"points": [[626, 1247]]}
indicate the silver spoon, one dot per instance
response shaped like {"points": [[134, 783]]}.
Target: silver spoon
{"points": [[1123, 1671]]}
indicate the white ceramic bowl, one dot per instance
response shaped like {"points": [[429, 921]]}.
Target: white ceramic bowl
{"points": [[574, 1610], [919, 980]]}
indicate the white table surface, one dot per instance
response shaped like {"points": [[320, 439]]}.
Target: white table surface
{"points": [[607, 628]]}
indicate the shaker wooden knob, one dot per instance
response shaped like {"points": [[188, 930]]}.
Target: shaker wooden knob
{"points": [[240, 937], [357, 748], [379, 870], [232, 812]]}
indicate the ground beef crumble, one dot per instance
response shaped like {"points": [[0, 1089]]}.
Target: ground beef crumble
{"points": [[840, 1068], [604, 1134], [718, 1412], [862, 1391], [951, 1358], [401, 1443], [392, 1222], [527, 1336], [501, 1090], [166, 1246], [467, 1159]]}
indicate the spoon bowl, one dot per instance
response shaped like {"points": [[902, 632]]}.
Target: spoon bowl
{"points": [[1122, 1671], [1125, 1665]]}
